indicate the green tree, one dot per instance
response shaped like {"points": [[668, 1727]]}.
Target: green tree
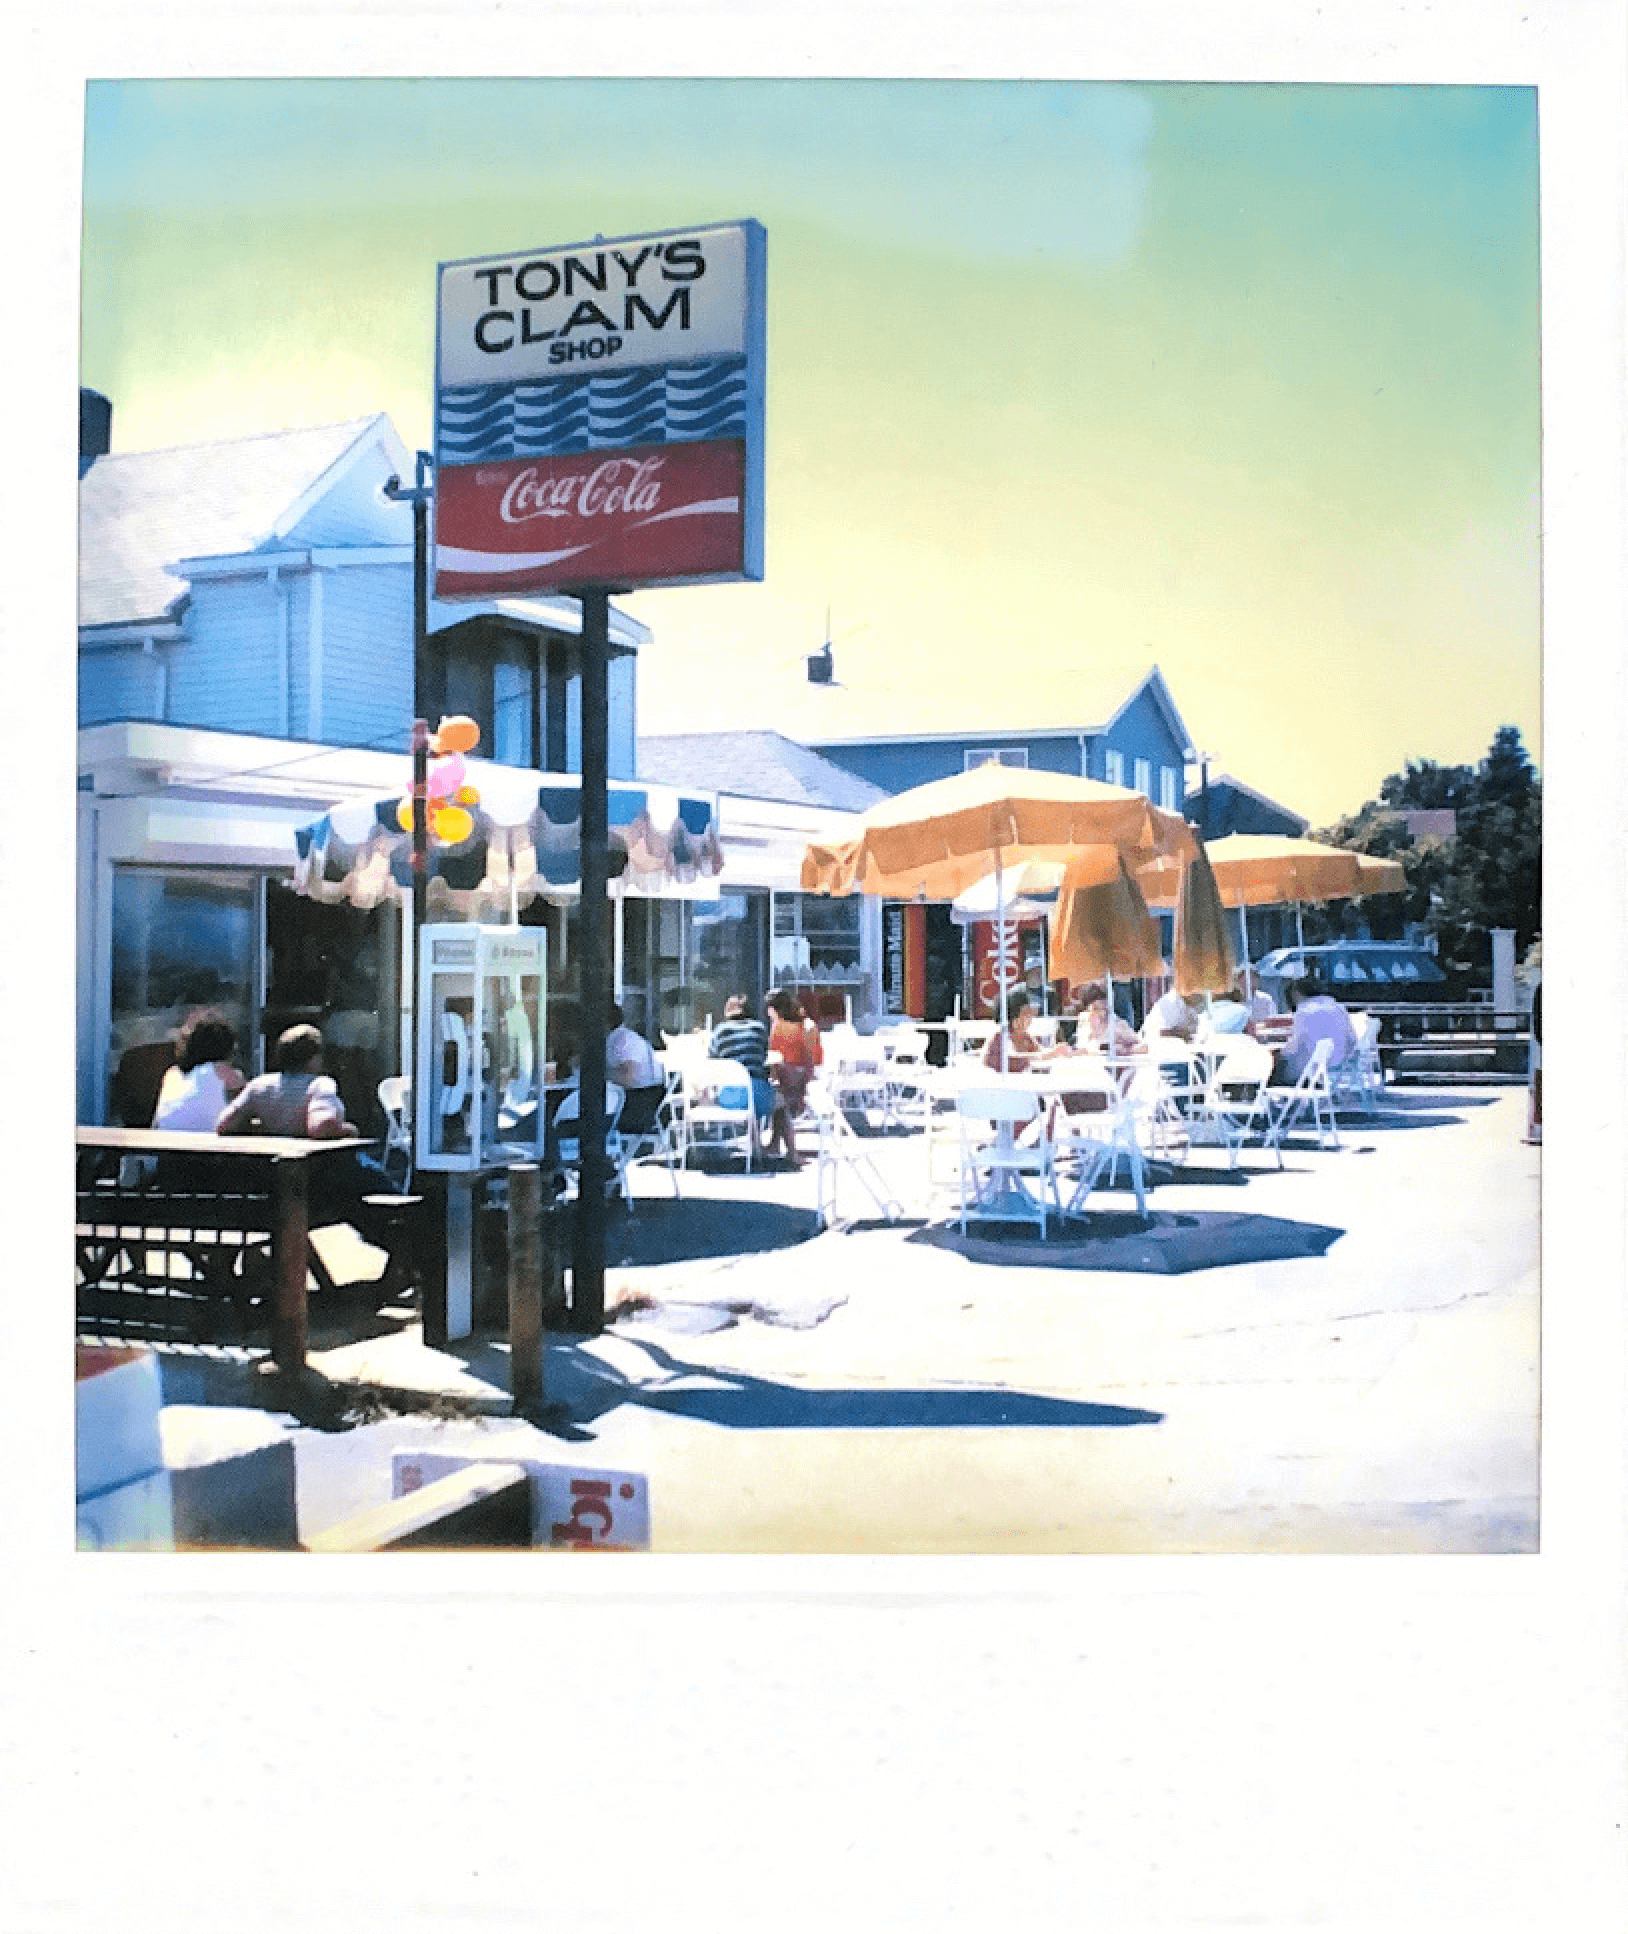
{"points": [[1489, 874]]}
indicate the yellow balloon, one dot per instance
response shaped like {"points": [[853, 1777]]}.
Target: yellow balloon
{"points": [[457, 734], [452, 824], [404, 814]]}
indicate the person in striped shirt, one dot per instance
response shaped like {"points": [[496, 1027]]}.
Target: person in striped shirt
{"points": [[741, 1036]]}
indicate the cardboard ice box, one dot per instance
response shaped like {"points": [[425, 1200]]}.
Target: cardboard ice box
{"points": [[571, 1509]]}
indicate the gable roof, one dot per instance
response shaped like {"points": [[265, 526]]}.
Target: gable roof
{"points": [[142, 510], [1061, 700], [753, 765], [1220, 779]]}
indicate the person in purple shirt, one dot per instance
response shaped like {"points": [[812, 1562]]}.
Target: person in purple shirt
{"points": [[1317, 1017]]}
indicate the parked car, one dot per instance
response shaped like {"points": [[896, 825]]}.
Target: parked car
{"points": [[1357, 972]]}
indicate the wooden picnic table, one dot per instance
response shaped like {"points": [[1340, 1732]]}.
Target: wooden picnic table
{"points": [[244, 1160]]}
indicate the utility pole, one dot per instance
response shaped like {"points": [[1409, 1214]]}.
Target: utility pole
{"points": [[593, 969]]}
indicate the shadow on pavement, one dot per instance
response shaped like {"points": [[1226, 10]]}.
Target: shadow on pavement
{"points": [[586, 1386], [1384, 1122], [1161, 1244], [695, 1227]]}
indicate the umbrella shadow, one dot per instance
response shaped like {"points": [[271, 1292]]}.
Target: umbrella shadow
{"points": [[1159, 1244], [695, 1228], [584, 1386], [1384, 1120]]}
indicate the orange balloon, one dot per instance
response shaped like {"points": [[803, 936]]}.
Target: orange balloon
{"points": [[452, 824], [466, 796], [457, 734]]}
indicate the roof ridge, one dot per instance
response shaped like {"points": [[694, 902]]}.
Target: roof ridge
{"points": [[357, 423]]}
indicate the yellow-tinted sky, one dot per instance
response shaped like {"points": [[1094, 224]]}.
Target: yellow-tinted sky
{"points": [[1238, 379]]}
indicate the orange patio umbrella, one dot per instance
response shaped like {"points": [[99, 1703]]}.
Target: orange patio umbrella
{"points": [[936, 840], [1202, 957], [1269, 869], [1104, 933]]}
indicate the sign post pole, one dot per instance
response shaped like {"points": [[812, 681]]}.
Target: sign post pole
{"points": [[431, 1261], [594, 971]]}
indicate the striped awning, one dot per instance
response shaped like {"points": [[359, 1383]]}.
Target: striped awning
{"points": [[524, 846]]}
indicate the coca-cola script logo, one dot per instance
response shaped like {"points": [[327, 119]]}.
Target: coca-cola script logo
{"points": [[617, 484]]}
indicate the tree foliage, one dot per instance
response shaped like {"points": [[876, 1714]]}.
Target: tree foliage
{"points": [[1488, 874]]}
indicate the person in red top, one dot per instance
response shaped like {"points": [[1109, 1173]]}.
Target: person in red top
{"points": [[796, 1040]]}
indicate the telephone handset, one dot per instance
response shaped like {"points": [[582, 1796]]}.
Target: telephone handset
{"points": [[454, 1063]]}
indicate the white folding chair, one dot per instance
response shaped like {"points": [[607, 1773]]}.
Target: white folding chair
{"points": [[719, 1110], [568, 1139], [997, 1169], [1093, 1126], [1311, 1095], [1360, 1078], [840, 1151], [662, 1141], [859, 1080], [1237, 1103], [395, 1097]]}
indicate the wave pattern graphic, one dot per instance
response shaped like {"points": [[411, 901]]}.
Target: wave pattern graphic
{"points": [[487, 422]]}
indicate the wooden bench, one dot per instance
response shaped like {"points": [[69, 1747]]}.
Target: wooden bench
{"points": [[234, 1215]]}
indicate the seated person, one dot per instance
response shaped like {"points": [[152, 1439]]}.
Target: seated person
{"points": [[1317, 1017], [298, 1099], [1261, 1005], [741, 1036], [203, 1080], [1022, 1050], [1172, 1014], [1096, 1034], [795, 1040], [1225, 1013], [631, 1063]]}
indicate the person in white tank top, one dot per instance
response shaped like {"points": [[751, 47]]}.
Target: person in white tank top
{"points": [[196, 1090]]}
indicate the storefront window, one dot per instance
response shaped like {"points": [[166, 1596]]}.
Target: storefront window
{"points": [[336, 967], [728, 952], [180, 941]]}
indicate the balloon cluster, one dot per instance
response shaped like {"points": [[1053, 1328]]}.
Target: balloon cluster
{"points": [[447, 808]]}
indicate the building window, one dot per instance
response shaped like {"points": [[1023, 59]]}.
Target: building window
{"points": [[511, 713], [1000, 755], [816, 938], [1167, 789], [1113, 767], [1143, 782]]}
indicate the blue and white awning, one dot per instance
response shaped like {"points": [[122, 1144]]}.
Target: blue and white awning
{"points": [[524, 847]]}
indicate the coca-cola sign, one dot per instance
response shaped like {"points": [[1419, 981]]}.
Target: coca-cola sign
{"points": [[599, 414], [664, 515]]}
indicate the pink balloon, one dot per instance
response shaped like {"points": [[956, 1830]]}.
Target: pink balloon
{"points": [[446, 775]]}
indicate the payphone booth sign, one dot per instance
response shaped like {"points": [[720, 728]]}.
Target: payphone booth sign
{"points": [[482, 1043]]}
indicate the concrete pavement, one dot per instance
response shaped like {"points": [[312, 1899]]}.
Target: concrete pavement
{"points": [[1364, 1380]]}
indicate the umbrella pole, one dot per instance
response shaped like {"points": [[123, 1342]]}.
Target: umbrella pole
{"points": [[1000, 957]]}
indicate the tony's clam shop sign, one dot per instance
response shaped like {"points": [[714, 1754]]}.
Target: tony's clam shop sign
{"points": [[599, 414]]}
